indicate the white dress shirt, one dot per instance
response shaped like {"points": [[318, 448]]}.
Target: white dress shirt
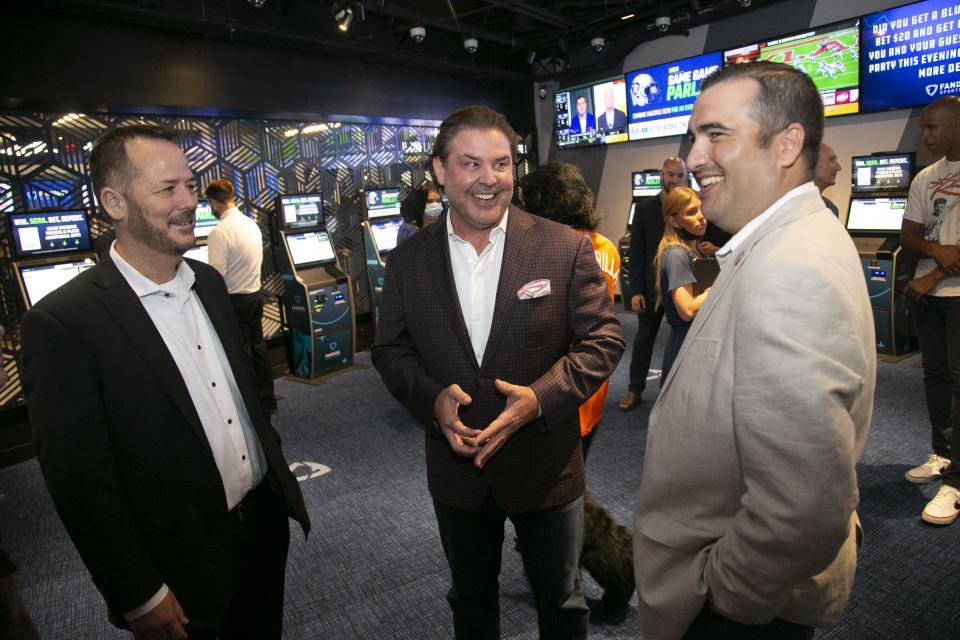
{"points": [[476, 277], [189, 335], [235, 249]]}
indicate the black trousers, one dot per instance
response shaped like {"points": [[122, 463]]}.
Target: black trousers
{"points": [[248, 307], [709, 625], [261, 537], [648, 324], [550, 542]]}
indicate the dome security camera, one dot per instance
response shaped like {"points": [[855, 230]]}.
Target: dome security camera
{"points": [[663, 23], [417, 34], [542, 92], [471, 45], [598, 43]]}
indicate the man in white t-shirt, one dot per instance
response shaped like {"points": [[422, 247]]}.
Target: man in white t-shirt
{"points": [[235, 249], [930, 229]]}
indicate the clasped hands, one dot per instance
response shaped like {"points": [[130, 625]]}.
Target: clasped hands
{"points": [[522, 407]]}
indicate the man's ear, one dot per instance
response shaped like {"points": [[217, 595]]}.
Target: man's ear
{"points": [[114, 203], [790, 144], [439, 172]]}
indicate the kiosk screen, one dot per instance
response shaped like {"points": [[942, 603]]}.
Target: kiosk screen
{"points": [[883, 215], [311, 248], [39, 280], [646, 183], [382, 203], [882, 173], [300, 211], [205, 220], [385, 234], [49, 232]]}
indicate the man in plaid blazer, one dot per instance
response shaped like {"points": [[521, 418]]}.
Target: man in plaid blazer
{"points": [[495, 327]]}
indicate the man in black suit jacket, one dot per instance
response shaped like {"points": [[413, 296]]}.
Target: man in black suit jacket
{"points": [[162, 465], [495, 326], [612, 118], [645, 234]]}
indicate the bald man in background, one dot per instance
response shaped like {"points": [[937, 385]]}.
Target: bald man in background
{"points": [[825, 174]]}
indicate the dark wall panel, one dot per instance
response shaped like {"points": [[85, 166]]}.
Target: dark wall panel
{"points": [[67, 63]]}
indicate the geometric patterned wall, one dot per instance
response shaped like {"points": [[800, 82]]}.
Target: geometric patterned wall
{"points": [[43, 165]]}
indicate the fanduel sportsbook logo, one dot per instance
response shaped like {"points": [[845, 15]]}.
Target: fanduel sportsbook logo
{"points": [[931, 90]]}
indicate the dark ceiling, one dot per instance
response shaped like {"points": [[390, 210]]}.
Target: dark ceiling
{"points": [[515, 39]]}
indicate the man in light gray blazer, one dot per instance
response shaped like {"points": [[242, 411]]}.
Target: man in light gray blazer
{"points": [[745, 522]]}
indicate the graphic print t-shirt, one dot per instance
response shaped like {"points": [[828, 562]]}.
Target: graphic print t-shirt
{"points": [[935, 203]]}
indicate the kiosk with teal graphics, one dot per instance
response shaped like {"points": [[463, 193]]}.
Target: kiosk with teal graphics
{"points": [[381, 223], [318, 305], [50, 248], [880, 185]]}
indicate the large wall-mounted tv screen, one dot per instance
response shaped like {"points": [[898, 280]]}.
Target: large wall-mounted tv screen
{"points": [[911, 55], [594, 113], [830, 56], [661, 97]]}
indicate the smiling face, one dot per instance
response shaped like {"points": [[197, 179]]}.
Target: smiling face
{"points": [[155, 213], [673, 174], [477, 176], [690, 219], [737, 177], [582, 106]]}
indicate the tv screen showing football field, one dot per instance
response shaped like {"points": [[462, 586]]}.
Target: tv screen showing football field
{"points": [[830, 55]]}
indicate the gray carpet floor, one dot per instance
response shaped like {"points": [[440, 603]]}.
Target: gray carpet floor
{"points": [[373, 566]]}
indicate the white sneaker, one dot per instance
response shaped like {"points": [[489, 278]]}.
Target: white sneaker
{"points": [[944, 508], [929, 470]]}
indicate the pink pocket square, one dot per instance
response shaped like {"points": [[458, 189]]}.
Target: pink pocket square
{"points": [[534, 289]]}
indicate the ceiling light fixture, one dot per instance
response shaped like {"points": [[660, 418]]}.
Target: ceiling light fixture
{"points": [[628, 16], [471, 45], [417, 34], [745, 3], [257, 4], [344, 17], [531, 57]]}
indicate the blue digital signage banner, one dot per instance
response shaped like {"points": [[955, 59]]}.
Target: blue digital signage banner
{"points": [[659, 99], [911, 55]]}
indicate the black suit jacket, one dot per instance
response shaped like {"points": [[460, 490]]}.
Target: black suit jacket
{"points": [[645, 234], [563, 345], [619, 120], [122, 448]]}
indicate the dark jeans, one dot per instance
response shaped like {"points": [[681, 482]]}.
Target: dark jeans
{"points": [[550, 543], [648, 324], [937, 321], [260, 542], [248, 307], [709, 625]]}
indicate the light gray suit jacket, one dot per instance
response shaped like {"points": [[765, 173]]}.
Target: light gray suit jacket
{"points": [[749, 486]]}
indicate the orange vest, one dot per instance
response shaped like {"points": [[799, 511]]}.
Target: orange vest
{"points": [[609, 260]]}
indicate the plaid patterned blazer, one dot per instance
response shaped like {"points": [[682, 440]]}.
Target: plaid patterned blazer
{"points": [[563, 345]]}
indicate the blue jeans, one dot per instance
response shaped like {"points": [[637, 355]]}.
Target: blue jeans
{"points": [[550, 543]]}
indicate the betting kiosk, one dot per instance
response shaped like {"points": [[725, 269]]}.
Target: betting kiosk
{"points": [[878, 199], [204, 222], [50, 248], [317, 302], [381, 223], [646, 184]]}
